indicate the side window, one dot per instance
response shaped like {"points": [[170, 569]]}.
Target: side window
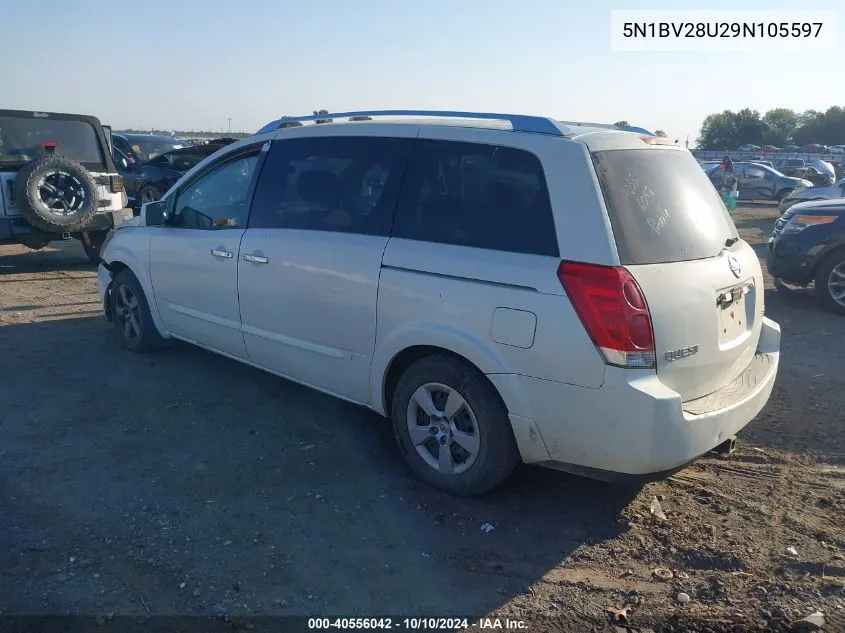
{"points": [[754, 173], [217, 199], [345, 184], [471, 194]]}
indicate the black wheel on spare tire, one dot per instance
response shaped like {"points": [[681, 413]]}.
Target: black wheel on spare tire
{"points": [[452, 427], [131, 314], [830, 282], [56, 194]]}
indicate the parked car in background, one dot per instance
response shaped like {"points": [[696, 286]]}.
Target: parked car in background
{"points": [[758, 182], [815, 148], [794, 167], [791, 148], [57, 180], [749, 148], [429, 269], [761, 161], [769, 149], [808, 246], [152, 178], [132, 151], [807, 194], [836, 149]]}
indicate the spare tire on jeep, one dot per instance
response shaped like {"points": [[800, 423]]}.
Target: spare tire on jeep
{"points": [[56, 194]]}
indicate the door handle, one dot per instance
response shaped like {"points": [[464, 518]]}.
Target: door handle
{"points": [[224, 254], [255, 259]]}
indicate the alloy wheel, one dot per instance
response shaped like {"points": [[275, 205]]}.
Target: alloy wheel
{"points": [[443, 429]]}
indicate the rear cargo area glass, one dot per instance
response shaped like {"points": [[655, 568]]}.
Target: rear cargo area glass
{"points": [[662, 206], [22, 139]]}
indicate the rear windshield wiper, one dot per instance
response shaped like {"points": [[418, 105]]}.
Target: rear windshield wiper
{"points": [[731, 241]]}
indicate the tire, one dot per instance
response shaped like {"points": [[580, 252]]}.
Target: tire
{"points": [[148, 193], [493, 452], [92, 250], [832, 270], [56, 194], [782, 195], [142, 336]]}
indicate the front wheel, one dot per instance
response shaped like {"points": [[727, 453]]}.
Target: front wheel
{"points": [[131, 314], [452, 427], [148, 193], [782, 195], [830, 282]]}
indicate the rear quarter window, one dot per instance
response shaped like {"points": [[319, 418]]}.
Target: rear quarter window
{"points": [[662, 206], [477, 195]]}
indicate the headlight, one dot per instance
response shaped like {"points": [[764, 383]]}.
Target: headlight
{"points": [[798, 223]]}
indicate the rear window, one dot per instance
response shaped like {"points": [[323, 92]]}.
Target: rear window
{"points": [[22, 139], [662, 206]]}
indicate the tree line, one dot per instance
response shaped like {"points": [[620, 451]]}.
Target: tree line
{"points": [[778, 127]]}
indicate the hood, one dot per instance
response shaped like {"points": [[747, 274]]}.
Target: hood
{"points": [[185, 158]]}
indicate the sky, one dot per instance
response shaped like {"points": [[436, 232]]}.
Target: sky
{"points": [[193, 64]]}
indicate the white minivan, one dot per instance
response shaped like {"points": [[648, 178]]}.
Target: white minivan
{"points": [[504, 288]]}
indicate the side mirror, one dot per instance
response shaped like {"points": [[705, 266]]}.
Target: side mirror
{"points": [[155, 213]]}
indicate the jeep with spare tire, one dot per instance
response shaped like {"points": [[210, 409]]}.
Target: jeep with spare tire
{"points": [[58, 180]]}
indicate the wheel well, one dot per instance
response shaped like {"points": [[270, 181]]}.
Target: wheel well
{"points": [[408, 357], [783, 192], [116, 266], [836, 250]]}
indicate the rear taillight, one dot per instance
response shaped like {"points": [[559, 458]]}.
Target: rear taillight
{"points": [[613, 310]]}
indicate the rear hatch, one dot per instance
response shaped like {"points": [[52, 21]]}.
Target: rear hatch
{"points": [[702, 283], [23, 136]]}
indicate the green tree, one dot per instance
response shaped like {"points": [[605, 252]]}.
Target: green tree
{"points": [[718, 131], [660, 133], [622, 123], [781, 124]]}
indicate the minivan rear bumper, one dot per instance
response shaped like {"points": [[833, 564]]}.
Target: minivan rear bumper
{"points": [[633, 425]]}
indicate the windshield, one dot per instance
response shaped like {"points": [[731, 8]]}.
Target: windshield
{"points": [[22, 140], [662, 206], [149, 148]]}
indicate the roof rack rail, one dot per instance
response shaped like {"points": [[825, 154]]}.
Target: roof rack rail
{"points": [[519, 122], [609, 126]]}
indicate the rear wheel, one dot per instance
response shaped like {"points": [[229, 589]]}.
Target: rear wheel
{"points": [[782, 195], [830, 282], [452, 427], [131, 314]]}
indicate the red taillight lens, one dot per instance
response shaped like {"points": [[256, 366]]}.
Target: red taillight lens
{"points": [[613, 310]]}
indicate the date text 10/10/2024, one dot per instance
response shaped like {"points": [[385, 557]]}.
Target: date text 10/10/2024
{"points": [[415, 624]]}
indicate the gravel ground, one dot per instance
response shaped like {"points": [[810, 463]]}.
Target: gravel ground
{"points": [[183, 483]]}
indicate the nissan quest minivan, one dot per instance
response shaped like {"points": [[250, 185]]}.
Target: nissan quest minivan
{"points": [[504, 288]]}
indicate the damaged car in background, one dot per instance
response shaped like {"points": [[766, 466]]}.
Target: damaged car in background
{"points": [[149, 176]]}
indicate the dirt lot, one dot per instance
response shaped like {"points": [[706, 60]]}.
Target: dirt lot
{"points": [[183, 483]]}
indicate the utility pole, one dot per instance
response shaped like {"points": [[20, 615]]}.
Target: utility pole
{"points": [[230, 124]]}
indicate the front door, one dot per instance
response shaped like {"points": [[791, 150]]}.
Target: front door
{"points": [[311, 257], [194, 259]]}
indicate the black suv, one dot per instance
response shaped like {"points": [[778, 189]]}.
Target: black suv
{"points": [[808, 245], [57, 180]]}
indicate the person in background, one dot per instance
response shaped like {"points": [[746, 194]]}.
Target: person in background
{"points": [[727, 169]]}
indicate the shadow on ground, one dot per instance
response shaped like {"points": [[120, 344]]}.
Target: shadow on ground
{"points": [[183, 482]]}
